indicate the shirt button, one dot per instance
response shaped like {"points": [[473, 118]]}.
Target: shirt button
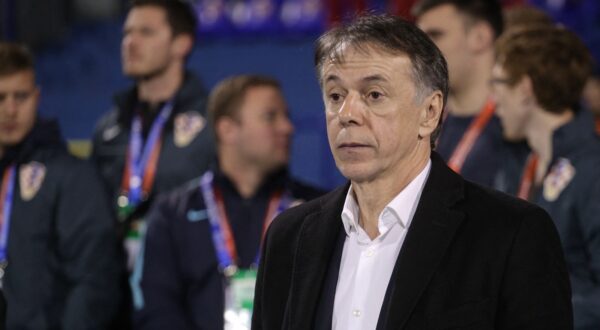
{"points": [[369, 252], [356, 313]]}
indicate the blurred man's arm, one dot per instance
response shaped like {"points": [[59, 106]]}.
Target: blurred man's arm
{"points": [[586, 291], [87, 248], [158, 289]]}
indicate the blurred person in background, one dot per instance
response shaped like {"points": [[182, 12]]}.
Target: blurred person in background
{"points": [[515, 159], [59, 266], [538, 80], [465, 31], [203, 239], [155, 138]]}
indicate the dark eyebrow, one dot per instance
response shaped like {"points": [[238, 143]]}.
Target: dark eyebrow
{"points": [[374, 78], [331, 77]]}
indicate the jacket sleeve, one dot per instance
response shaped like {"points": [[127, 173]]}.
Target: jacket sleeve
{"points": [[535, 293], [158, 289], [87, 249], [586, 287]]}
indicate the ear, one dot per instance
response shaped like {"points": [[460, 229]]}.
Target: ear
{"points": [[480, 36], [525, 91], [182, 45], [36, 95], [431, 111], [226, 130]]}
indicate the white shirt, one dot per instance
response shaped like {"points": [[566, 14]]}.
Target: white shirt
{"points": [[367, 265]]}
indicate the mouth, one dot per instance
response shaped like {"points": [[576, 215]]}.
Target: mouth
{"points": [[8, 126], [351, 146]]}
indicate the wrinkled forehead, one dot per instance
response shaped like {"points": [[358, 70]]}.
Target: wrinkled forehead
{"points": [[339, 53]]}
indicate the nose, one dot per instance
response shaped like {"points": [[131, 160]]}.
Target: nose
{"points": [[9, 106], [127, 42], [285, 126], [351, 110]]}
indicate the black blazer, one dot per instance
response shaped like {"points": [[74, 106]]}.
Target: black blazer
{"points": [[473, 258]]}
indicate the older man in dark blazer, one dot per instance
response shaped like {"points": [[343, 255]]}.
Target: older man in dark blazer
{"points": [[408, 244]]}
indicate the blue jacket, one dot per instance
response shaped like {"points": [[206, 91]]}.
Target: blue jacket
{"points": [[177, 283], [571, 195], [482, 162], [63, 267]]}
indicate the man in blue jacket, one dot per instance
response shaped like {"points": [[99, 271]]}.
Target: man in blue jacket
{"points": [[203, 240], [538, 78], [58, 252]]}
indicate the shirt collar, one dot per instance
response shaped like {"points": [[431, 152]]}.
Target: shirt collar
{"points": [[402, 208]]}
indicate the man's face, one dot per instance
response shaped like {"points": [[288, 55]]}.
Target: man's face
{"points": [[19, 98], [448, 29], [373, 121], [514, 115], [146, 48], [263, 128]]}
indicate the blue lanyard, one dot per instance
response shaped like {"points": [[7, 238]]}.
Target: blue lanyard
{"points": [[226, 262], [138, 155], [8, 189]]}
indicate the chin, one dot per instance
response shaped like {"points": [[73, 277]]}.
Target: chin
{"points": [[356, 173]]}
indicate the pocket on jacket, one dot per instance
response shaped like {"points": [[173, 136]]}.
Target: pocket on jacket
{"points": [[473, 315]]}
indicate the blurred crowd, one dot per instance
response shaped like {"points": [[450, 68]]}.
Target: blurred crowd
{"points": [[162, 226]]}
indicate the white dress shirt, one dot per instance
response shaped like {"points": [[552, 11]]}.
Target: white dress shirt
{"points": [[367, 265]]}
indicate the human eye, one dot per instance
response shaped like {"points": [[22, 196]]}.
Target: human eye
{"points": [[375, 95], [22, 96], [435, 34], [335, 97], [270, 116], [146, 31]]}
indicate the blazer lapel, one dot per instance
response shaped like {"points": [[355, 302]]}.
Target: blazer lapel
{"points": [[429, 235], [316, 243]]}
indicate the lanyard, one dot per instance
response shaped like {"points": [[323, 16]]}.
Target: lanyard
{"points": [[468, 139], [528, 176], [6, 197], [222, 235], [142, 160]]}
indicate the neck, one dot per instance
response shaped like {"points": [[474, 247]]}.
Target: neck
{"points": [[161, 87], [469, 99], [539, 137], [245, 177], [373, 196]]}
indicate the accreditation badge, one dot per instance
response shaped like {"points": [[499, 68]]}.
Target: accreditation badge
{"points": [[187, 127], [3, 265], [558, 179], [133, 242], [239, 299]]}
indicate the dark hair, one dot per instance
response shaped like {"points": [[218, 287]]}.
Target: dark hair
{"points": [[14, 58], [393, 35], [489, 11], [227, 96], [554, 58], [525, 15], [180, 15]]}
